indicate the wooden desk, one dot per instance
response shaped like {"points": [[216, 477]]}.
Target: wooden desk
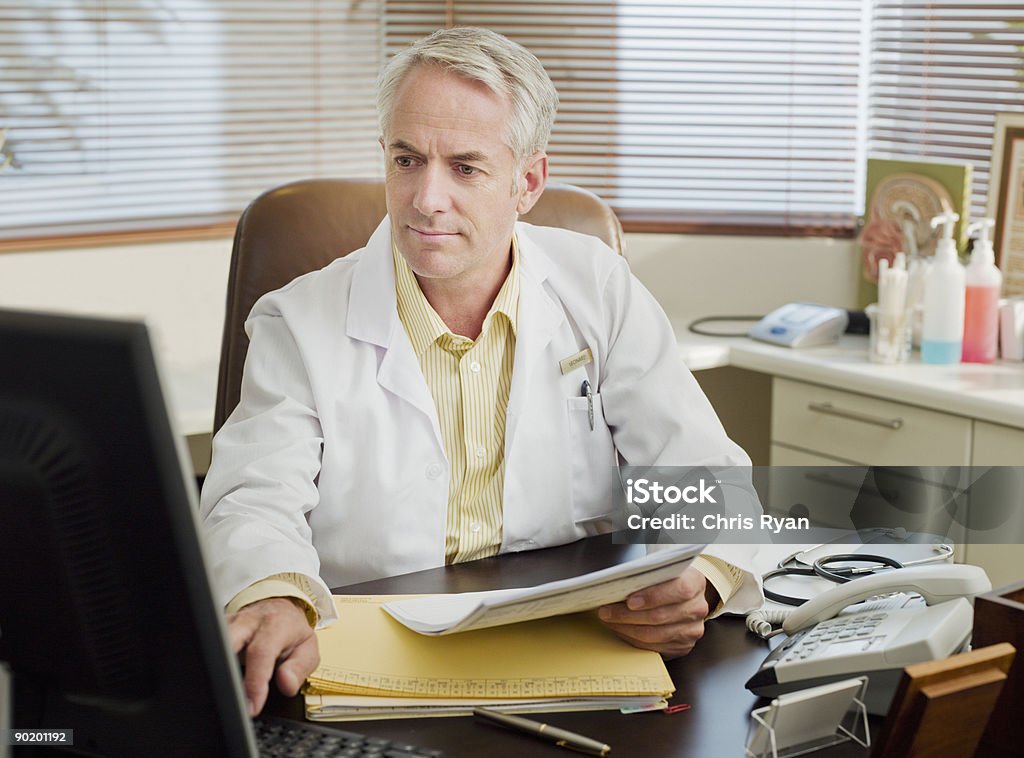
{"points": [[710, 679]]}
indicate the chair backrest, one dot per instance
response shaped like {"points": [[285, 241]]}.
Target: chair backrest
{"points": [[302, 226]]}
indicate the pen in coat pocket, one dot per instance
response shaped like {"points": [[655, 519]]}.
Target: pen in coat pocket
{"points": [[586, 392]]}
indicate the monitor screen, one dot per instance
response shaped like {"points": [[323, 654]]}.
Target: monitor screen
{"points": [[107, 621]]}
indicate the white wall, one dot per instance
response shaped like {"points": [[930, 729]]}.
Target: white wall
{"points": [[179, 286], [714, 275]]}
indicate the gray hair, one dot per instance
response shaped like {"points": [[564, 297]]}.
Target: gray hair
{"points": [[505, 67]]}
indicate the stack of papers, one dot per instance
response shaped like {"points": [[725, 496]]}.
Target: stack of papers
{"points": [[372, 666]]}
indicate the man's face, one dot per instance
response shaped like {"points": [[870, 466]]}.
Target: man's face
{"points": [[450, 178]]}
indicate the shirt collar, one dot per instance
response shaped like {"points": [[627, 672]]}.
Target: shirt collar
{"points": [[507, 300], [421, 321]]}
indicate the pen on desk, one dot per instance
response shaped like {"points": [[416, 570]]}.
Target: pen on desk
{"points": [[586, 392], [560, 737]]}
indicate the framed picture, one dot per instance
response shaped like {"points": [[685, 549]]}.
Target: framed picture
{"points": [[1006, 199], [901, 197]]}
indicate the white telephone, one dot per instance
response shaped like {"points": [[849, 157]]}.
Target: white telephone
{"points": [[830, 641]]}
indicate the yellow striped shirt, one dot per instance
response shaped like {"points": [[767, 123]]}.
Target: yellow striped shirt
{"points": [[469, 382]]}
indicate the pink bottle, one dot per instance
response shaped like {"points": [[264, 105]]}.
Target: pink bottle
{"points": [[981, 303]]}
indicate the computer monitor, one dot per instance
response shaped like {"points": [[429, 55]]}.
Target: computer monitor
{"points": [[107, 621]]}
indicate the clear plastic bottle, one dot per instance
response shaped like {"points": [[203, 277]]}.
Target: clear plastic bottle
{"points": [[942, 329], [981, 303]]}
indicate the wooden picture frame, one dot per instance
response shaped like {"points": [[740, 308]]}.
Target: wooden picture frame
{"points": [[1006, 199], [942, 707], [999, 617]]}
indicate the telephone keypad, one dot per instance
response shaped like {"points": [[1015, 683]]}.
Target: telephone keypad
{"points": [[848, 628]]}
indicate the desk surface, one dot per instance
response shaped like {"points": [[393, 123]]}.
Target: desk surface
{"points": [[710, 679]]}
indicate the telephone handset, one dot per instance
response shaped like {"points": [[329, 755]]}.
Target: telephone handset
{"points": [[830, 641], [936, 583]]}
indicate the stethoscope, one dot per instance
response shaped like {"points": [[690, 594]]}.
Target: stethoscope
{"points": [[825, 568]]}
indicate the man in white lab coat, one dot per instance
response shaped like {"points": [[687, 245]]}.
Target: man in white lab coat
{"points": [[465, 385]]}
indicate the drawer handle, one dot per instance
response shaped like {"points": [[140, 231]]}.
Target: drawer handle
{"points": [[831, 410]]}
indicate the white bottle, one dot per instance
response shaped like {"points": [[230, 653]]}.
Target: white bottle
{"points": [[981, 302], [942, 330]]}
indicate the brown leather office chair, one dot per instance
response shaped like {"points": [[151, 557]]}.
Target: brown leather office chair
{"points": [[301, 227]]}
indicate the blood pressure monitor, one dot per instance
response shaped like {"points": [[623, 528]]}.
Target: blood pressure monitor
{"points": [[801, 325]]}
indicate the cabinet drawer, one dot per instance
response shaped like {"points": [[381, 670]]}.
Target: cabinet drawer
{"points": [[866, 430], [802, 484], [996, 445]]}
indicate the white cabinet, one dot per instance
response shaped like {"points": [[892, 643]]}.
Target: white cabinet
{"points": [[996, 445], [815, 425]]}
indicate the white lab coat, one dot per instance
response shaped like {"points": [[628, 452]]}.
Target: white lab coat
{"points": [[332, 464]]}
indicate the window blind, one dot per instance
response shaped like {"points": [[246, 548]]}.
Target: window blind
{"points": [[690, 115], [130, 114], [940, 71], [685, 115]]}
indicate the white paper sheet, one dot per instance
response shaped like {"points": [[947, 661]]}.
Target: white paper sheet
{"points": [[447, 614]]}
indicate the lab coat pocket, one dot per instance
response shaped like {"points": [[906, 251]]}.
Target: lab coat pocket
{"points": [[595, 478]]}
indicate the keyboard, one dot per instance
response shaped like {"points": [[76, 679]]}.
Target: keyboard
{"points": [[281, 737]]}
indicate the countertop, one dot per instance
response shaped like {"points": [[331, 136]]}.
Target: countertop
{"points": [[992, 392]]}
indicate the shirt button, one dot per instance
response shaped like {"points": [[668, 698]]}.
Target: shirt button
{"points": [[481, 452], [474, 526], [434, 471], [475, 367]]}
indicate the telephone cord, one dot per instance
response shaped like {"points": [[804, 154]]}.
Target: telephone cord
{"points": [[763, 622]]}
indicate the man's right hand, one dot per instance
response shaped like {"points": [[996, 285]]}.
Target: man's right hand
{"points": [[269, 634]]}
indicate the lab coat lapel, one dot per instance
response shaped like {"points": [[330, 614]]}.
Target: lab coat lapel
{"points": [[531, 474], [538, 320], [373, 318]]}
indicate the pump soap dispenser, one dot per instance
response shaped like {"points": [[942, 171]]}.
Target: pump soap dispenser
{"points": [[981, 304], [943, 328]]}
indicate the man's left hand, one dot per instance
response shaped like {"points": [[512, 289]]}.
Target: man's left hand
{"points": [[667, 618]]}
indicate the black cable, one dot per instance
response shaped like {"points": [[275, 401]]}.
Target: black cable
{"points": [[710, 319]]}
